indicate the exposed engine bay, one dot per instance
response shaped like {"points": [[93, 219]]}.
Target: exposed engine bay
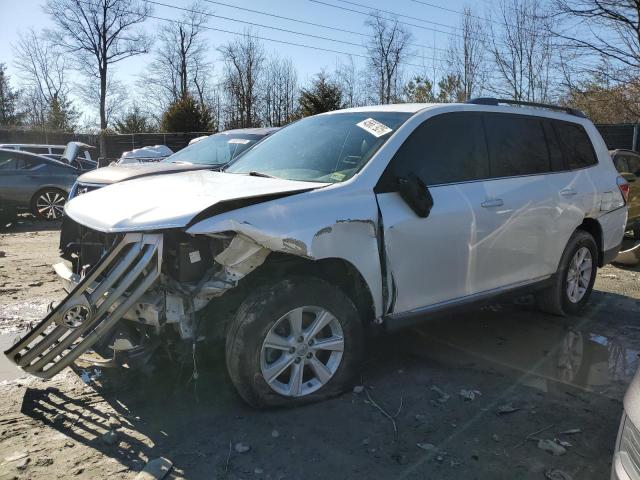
{"points": [[157, 282]]}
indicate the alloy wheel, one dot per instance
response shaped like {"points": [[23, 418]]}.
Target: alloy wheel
{"points": [[579, 274], [50, 205], [302, 351]]}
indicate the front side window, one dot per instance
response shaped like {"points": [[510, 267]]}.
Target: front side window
{"points": [[324, 148], [16, 161], [517, 145], [577, 146], [447, 148], [215, 150]]}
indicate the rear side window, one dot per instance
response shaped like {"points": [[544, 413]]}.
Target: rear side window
{"points": [[38, 150], [517, 145], [448, 148], [576, 144]]}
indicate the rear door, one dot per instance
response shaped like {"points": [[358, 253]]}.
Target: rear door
{"points": [[17, 183], [519, 206]]}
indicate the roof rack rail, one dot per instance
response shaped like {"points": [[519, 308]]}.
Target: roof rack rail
{"points": [[498, 101]]}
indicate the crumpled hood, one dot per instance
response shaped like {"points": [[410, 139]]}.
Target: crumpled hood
{"points": [[171, 201], [118, 173]]}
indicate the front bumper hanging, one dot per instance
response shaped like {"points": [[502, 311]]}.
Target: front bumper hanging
{"points": [[92, 308]]}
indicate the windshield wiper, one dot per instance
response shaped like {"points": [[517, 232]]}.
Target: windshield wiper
{"points": [[254, 173], [182, 162]]}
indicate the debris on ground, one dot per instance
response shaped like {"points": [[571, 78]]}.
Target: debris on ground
{"points": [[89, 375], [495, 437], [258, 471], [241, 447], [428, 447], [608, 275], [3, 254], [444, 397], [553, 474], [155, 469], [36, 284], [572, 431], [110, 438], [506, 409], [469, 395], [275, 433], [551, 447], [564, 443], [358, 389]]}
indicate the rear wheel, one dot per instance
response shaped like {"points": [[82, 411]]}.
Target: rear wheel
{"points": [[574, 279], [296, 341], [48, 204]]}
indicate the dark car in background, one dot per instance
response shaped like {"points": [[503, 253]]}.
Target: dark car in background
{"points": [[213, 152], [34, 183]]}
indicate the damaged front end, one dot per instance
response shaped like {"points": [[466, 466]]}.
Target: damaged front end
{"points": [[155, 283]]}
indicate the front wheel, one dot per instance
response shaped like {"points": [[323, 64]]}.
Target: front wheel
{"points": [[292, 342], [575, 277], [48, 204]]}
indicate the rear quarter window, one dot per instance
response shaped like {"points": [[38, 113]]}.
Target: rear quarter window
{"points": [[576, 144], [517, 145]]}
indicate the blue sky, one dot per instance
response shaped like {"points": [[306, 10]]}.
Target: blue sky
{"points": [[18, 16]]}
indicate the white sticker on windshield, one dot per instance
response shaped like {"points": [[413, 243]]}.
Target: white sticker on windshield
{"points": [[374, 127], [241, 141]]}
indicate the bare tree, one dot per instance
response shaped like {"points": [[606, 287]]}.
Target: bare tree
{"points": [[387, 50], [43, 69], [347, 77], [116, 97], [466, 55], [609, 29], [280, 91], [244, 61], [522, 50], [100, 33], [180, 66]]}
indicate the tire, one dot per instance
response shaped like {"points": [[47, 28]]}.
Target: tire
{"points": [[48, 204], [636, 233], [557, 300], [272, 310]]}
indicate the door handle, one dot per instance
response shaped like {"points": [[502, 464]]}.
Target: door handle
{"points": [[568, 192], [497, 202]]}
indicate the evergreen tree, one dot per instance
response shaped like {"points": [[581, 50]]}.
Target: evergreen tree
{"points": [[323, 96], [134, 121], [186, 115], [9, 114]]}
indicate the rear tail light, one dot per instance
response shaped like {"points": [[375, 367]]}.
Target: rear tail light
{"points": [[624, 188]]}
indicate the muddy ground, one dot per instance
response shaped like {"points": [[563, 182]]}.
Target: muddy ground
{"points": [[545, 375]]}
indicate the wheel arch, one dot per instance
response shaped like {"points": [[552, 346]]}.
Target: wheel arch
{"points": [[593, 227]]}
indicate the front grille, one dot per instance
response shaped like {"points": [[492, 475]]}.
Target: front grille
{"points": [[82, 188], [86, 314]]}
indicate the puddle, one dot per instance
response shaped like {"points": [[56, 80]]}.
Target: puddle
{"points": [[543, 354], [8, 371], [16, 316]]}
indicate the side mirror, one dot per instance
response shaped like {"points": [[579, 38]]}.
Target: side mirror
{"points": [[416, 194]]}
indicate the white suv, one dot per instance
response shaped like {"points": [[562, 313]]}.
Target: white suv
{"points": [[374, 215]]}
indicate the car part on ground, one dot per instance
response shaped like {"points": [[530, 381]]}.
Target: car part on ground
{"points": [[339, 221]]}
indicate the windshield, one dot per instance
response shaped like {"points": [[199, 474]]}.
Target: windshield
{"points": [[217, 149], [323, 148]]}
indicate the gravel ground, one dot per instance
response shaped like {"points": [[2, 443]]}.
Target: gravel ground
{"points": [[531, 377]]}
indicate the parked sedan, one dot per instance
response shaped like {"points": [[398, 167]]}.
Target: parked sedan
{"points": [[34, 183], [627, 162], [211, 153]]}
